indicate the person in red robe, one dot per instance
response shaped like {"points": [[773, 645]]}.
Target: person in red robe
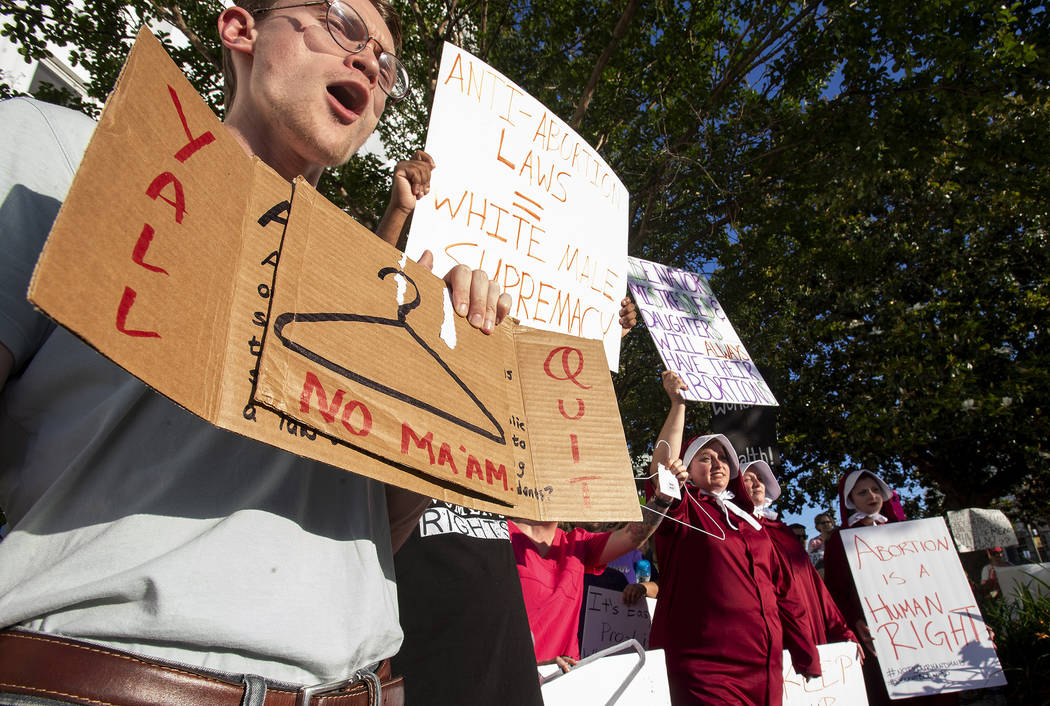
{"points": [[725, 611], [864, 500], [820, 618]]}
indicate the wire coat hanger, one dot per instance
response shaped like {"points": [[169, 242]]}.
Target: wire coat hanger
{"points": [[495, 434]]}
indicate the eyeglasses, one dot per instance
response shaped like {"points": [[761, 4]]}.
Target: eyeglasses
{"points": [[350, 32]]}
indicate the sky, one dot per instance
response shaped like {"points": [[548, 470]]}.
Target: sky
{"points": [[806, 517]]}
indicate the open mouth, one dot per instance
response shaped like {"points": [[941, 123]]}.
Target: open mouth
{"points": [[350, 99]]}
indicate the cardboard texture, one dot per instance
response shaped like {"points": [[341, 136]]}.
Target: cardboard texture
{"points": [[364, 346], [138, 263], [189, 264], [574, 422]]}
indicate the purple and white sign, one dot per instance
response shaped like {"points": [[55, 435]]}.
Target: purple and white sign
{"points": [[694, 336]]}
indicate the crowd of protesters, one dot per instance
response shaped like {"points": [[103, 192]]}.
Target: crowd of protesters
{"points": [[737, 586], [215, 569]]}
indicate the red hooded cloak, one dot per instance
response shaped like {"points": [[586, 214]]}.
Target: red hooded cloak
{"points": [[820, 618], [725, 612], [839, 580]]}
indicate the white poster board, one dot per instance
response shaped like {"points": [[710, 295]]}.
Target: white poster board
{"points": [[607, 621], [597, 682], [1014, 579], [928, 632], [694, 336], [841, 680], [518, 194], [980, 528]]}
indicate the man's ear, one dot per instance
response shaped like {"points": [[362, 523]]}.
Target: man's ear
{"points": [[237, 29]]}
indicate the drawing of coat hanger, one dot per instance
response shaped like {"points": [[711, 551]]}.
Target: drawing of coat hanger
{"points": [[496, 434]]}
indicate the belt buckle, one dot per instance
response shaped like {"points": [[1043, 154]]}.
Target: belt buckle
{"points": [[305, 695]]}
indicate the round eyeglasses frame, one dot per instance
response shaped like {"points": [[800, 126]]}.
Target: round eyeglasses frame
{"points": [[393, 76]]}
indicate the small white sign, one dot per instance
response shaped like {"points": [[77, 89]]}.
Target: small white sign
{"points": [[1014, 580], [608, 621], [667, 483], [599, 681], [841, 680], [981, 528]]}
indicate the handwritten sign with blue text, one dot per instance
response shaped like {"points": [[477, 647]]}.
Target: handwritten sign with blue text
{"points": [[694, 336], [518, 194], [928, 632]]}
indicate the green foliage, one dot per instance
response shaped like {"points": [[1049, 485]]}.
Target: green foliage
{"points": [[870, 177], [684, 113], [100, 34], [909, 234], [1022, 641]]}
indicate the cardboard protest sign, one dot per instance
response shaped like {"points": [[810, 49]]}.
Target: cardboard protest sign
{"points": [[518, 194], [144, 219], [751, 430], [168, 256], [598, 681], [928, 632], [607, 621], [1014, 580], [442, 398], [694, 336], [841, 680], [980, 528]]}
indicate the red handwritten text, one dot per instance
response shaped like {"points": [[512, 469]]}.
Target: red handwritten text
{"points": [[166, 187]]}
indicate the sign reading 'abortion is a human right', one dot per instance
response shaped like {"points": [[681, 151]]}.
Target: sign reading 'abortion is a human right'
{"points": [[694, 336], [928, 631]]}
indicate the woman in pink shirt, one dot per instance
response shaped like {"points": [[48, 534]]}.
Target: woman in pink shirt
{"points": [[551, 564]]}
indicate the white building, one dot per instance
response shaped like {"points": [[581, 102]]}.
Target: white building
{"points": [[54, 69]]}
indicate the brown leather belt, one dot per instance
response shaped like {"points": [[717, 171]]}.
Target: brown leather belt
{"points": [[81, 673]]}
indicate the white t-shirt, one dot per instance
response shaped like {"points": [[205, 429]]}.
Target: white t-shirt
{"points": [[135, 524]]}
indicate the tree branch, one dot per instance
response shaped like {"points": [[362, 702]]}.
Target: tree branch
{"points": [[173, 14], [603, 60]]}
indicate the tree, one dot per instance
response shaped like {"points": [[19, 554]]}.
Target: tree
{"points": [[908, 232], [869, 178], [683, 113], [101, 32], [882, 247]]}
